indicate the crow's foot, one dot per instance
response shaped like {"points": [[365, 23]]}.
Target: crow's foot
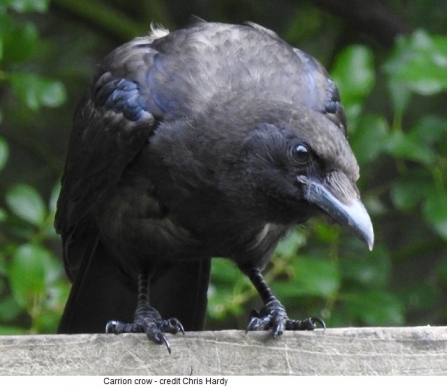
{"points": [[149, 323], [273, 317]]}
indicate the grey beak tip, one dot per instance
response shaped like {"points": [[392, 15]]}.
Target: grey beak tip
{"points": [[365, 228]]}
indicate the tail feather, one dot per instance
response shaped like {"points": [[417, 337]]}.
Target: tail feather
{"points": [[100, 293], [180, 291]]}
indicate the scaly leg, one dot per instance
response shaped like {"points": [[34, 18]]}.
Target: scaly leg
{"points": [[273, 315], [146, 318]]}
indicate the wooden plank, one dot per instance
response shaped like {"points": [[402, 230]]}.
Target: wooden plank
{"points": [[339, 351]]}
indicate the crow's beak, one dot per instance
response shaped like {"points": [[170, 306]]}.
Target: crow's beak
{"points": [[352, 216]]}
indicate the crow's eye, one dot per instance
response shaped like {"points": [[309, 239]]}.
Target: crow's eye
{"points": [[300, 154]]}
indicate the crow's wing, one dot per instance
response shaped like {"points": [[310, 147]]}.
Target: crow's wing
{"points": [[111, 126]]}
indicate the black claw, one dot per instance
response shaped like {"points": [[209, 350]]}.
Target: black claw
{"points": [[182, 329], [321, 322], [156, 335], [259, 323], [278, 329], [252, 325], [110, 326], [166, 342]]}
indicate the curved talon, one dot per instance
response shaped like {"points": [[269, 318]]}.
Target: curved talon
{"points": [[172, 326], [316, 319], [259, 323], [182, 329], [166, 342], [154, 333], [176, 325], [251, 325], [111, 323], [278, 330], [254, 315]]}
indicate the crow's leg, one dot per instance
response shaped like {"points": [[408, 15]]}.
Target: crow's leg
{"points": [[146, 318], [273, 315]]}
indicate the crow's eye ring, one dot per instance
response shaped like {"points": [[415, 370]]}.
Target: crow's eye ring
{"points": [[300, 153]]}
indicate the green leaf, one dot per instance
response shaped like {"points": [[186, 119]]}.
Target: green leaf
{"points": [[4, 153], [373, 270], [34, 275], [27, 274], [419, 62], [26, 203], [369, 139], [353, 72], [435, 211], [11, 330], [400, 96], [47, 322], [19, 41], [222, 304], [35, 91], [375, 308], [28, 5], [3, 215], [313, 277], [227, 283], [289, 246], [402, 145], [406, 193], [23, 45], [54, 197], [224, 271], [430, 129], [52, 93], [2, 268], [9, 309], [422, 296], [304, 25]]}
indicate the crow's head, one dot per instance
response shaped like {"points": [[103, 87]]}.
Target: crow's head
{"points": [[300, 162]]}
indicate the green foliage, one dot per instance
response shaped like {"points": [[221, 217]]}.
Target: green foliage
{"points": [[27, 204], [4, 151], [18, 44], [35, 91], [419, 63], [353, 73], [26, 5], [32, 287], [29, 271]]}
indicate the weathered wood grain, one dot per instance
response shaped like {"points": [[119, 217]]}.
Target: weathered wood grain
{"points": [[340, 351]]}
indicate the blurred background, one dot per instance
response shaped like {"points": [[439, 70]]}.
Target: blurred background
{"points": [[389, 59]]}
